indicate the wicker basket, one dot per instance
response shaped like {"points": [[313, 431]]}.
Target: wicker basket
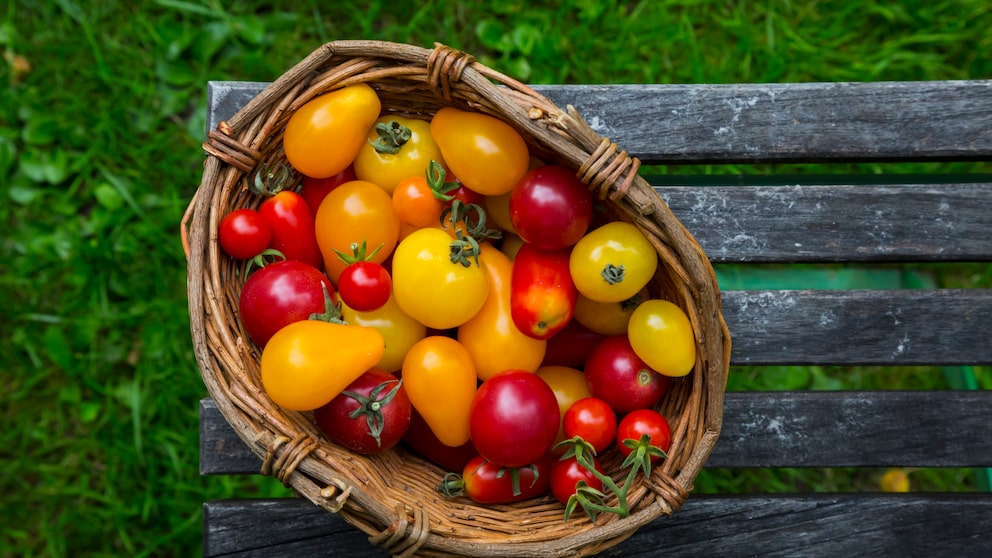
{"points": [[392, 496]]}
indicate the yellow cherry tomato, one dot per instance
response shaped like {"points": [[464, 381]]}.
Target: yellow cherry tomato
{"points": [[440, 380], [661, 334], [396, 148], [607, 318], [435, 286], [399, 331], [488, 155], [568, 384], [324, 135], [613, 262], [306, 364], [490, 335], [353, 213]]}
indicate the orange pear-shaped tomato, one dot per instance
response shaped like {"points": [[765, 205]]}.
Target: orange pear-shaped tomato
{"points": [[308, 363]]}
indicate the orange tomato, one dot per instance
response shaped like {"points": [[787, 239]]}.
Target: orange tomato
{"points": [[355, 212], [488, 155], [440, 380]]}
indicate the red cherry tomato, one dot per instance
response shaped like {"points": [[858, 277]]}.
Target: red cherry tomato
{"points": [[641, 422], [618, 376], [315, 189], [593, 420], [550, 207], [293, 231], [365, 286], [244, 234], [370, 416], [279, 294], [484, 482], [514, 418], [567, 473]]}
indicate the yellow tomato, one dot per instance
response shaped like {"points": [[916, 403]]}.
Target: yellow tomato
{"points": [[490, 335], [661, 334], [353, 213], [440, 380], [607, 318], [486, 154], [324, 135], [432, 284], [398, 330], [306, 364], [568, 384], [613, 262], [396, 148]]}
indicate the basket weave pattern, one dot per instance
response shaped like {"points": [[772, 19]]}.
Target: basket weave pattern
{"points": [[392, 496]]}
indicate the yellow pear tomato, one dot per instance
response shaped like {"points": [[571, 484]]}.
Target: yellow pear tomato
{"points": [[488, 155], [661, 334], [399, 331], [440, 380]]}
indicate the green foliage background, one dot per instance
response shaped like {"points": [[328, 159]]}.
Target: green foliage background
{"points": [[100, 153]]}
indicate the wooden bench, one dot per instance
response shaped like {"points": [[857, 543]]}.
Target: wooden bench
{"points": [[859, 220]]}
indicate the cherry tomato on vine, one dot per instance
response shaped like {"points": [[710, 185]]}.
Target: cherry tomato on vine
{"points": [[370, 416], [661, 334], [593, 420], [613, 262], [484, 482], [281, 293], [244, 234], [324, 135], [397, 148], [642, 422], [618, 376], [488, 155], [355, 212], [567, 473], [550, 207], [292, 225], [314, 190], [514, 418]]}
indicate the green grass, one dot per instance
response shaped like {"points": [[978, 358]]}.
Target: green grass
{"points": [[100, 153]]}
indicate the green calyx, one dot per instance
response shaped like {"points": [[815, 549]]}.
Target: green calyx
{"points": [[392, 136], [269, 255], [613, 274], [371, 406], [271, 179], [358, 253], [435, 180], [332, 311]]}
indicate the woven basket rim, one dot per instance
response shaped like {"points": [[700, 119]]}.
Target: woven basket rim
{"points": [[444, 76]]}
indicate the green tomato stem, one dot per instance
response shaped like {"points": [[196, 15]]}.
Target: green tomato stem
{"points": [[392, 136]]}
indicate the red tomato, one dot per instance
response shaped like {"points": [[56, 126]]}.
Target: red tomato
{"points": [[571, 346], [484, 482], [292, 228], [463, 193], [618, 376], [543, 296], [315, 189], [365, 286], [279, 294], [567, 473], [641, 422], [550, 207], [244, 234], [593, 420], [371, 415], [514, 418], [421, 439]]}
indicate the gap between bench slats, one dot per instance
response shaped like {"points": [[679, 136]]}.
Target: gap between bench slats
{"points": [[885, 121], [816, 525], [777, 429]]}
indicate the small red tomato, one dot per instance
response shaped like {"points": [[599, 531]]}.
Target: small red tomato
{"points": [[315, 189], [370, 416], [365, 286], [593, 420], [644, 421], [550, 207], [463, 193], [244, 234], [293, 231], [484, 482], [279, 294], [514, 418], [618, 376], [567, 473]]}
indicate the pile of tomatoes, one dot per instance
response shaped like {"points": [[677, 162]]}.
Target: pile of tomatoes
{"points": [[430, 282]]}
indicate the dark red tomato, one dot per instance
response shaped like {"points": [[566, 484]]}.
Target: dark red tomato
{"points": [[244, 234], [571, 346], [514, 418], [421, 439], [371, 415], [550, 207], [315, 189], [641, 422], [567, 473], [484, 482], [365, 286], [593, 420], [292, 225], [279, 294], [618, 376]]}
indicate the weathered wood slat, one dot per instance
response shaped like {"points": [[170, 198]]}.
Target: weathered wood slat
{"points": [[778, 429], [815, 525], [822, 223], [887, 121]]}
